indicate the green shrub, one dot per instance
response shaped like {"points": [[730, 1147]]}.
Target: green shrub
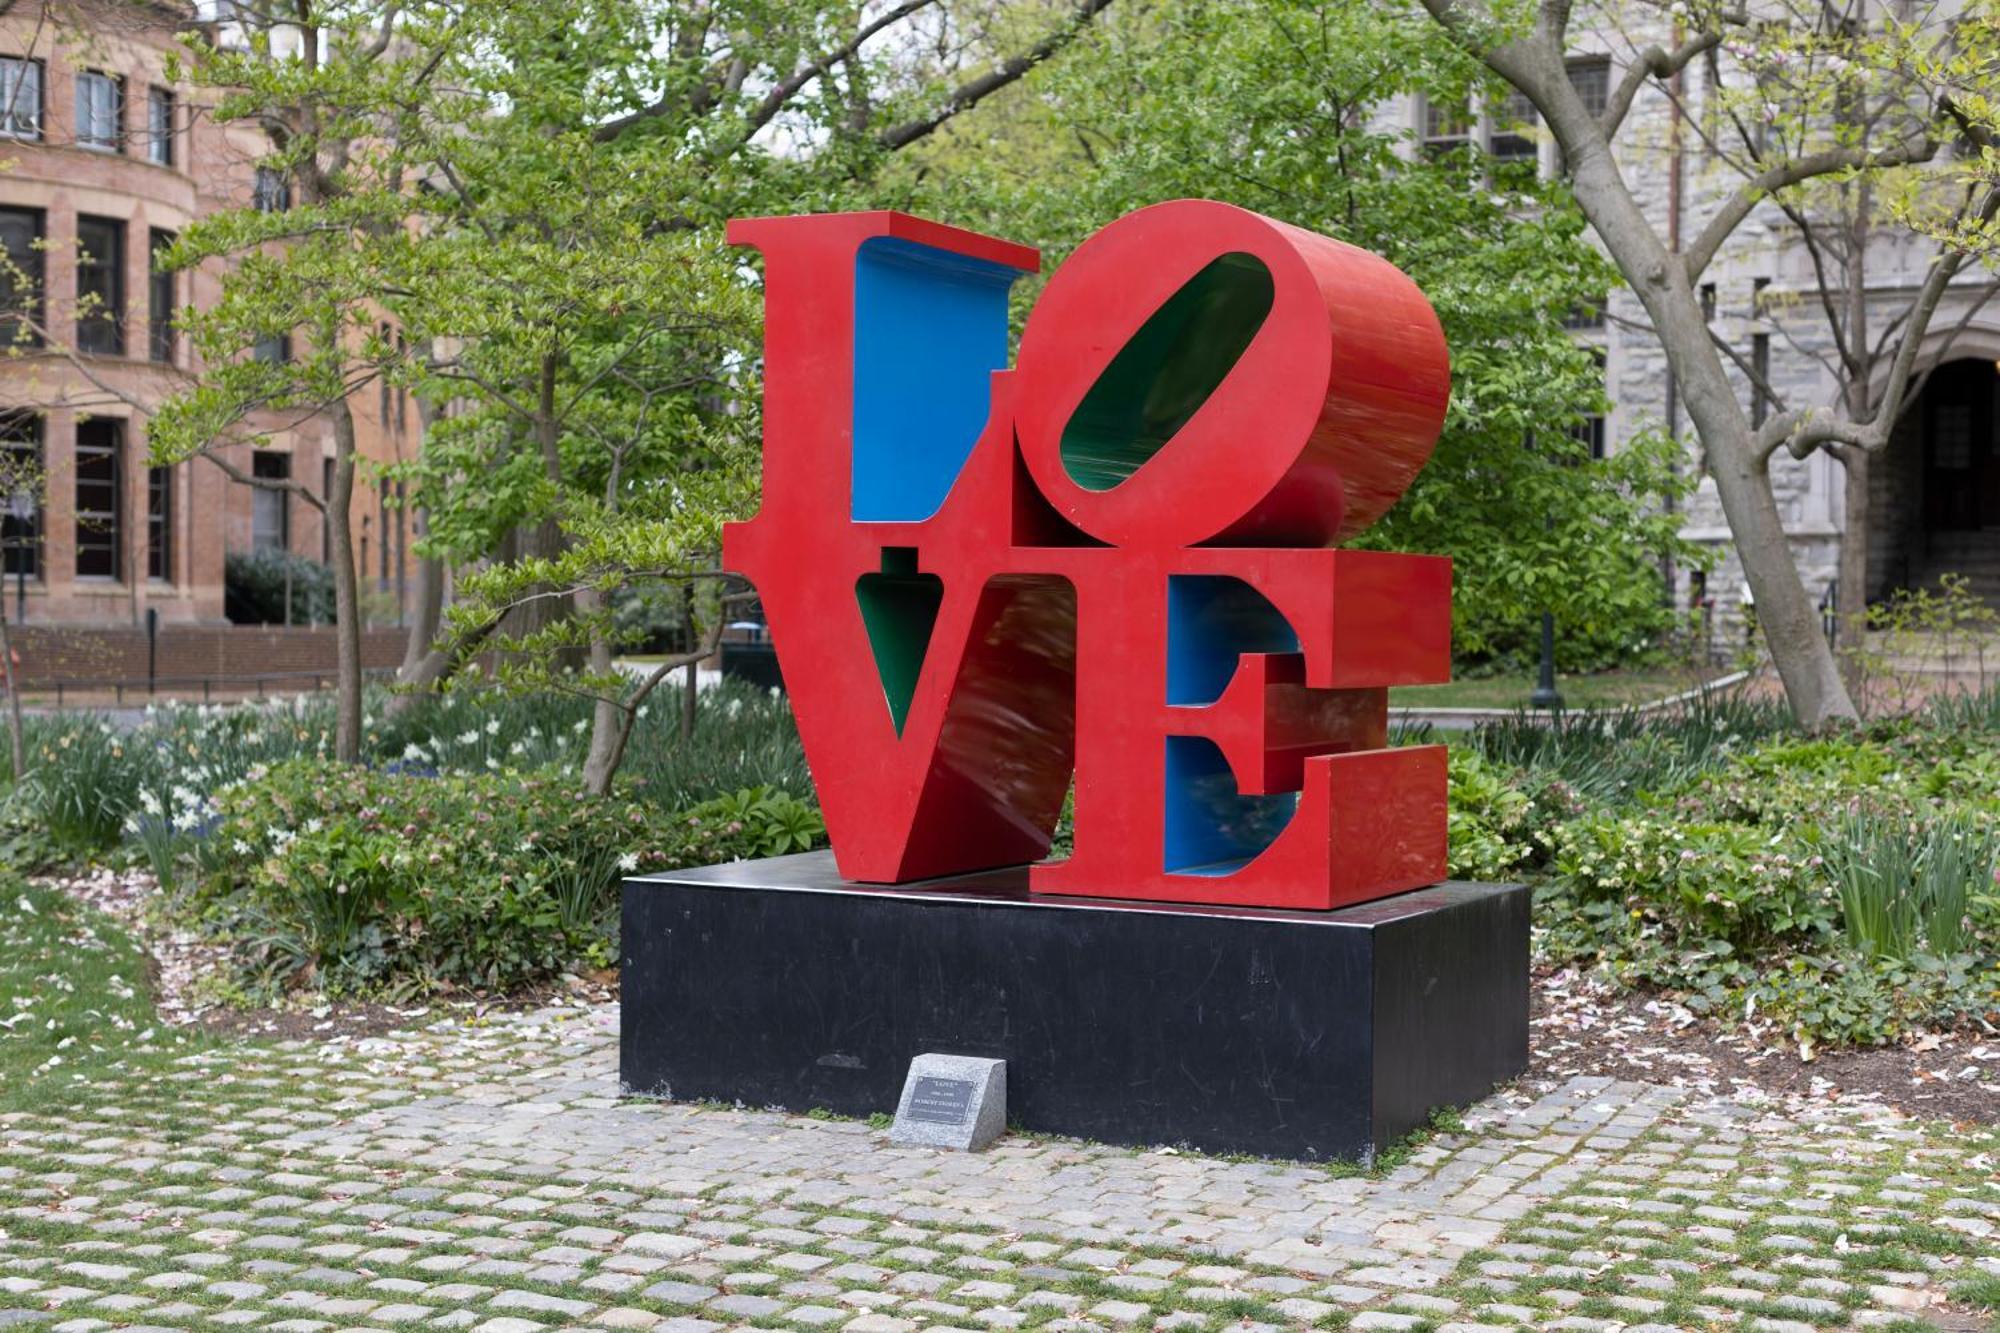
{"points": [[1488, 820], [1666, 896], [254, 584], [351, 880]]}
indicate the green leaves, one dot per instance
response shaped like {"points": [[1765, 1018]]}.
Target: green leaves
{"points": [[1279, 105]]}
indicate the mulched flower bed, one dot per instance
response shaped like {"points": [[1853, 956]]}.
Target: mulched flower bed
{"points": [[1581, 1026]]}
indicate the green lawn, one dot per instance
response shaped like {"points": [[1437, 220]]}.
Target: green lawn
{"points": [[75, 1005], [1603, 689]]}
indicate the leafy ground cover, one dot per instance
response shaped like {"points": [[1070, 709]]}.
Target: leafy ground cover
{"points": [[1842, 885], [460, 855]]}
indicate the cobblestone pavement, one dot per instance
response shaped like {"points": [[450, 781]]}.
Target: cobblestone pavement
{"points": [[489, 1176]]}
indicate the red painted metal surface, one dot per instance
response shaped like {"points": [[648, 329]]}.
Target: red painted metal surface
{"points": [[1056, 645]]}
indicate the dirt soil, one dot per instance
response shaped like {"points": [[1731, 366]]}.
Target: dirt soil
{"points": [[1579, 1026]]}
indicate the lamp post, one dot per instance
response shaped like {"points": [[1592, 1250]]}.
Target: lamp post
{"points": [[1545, 695], [21, 508]]}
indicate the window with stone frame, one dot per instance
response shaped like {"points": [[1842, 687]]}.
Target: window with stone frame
{"points": [[20, 97], [1445, 126], [270, 192], [1512, 137], [161, 298], [160, 524], [100, 498], [270, 508], [100, 110], [1591, 77], [21, 269], [21, 538], [160, 126], [100, 286]]}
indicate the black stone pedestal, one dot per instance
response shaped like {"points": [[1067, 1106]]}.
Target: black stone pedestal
{"points": [[1283, 1034]]}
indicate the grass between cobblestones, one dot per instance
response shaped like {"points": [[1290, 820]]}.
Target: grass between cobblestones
{"points": [[151, 1179]]}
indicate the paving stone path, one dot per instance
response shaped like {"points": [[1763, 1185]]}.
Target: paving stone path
{"points": [[491, 1177]]}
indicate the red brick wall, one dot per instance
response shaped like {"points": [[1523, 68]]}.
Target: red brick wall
{"points": [[51, 655]]}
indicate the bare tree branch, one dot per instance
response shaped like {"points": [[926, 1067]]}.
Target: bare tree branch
{"points": [[969, 94], [1654, 62], [1794, 172]]}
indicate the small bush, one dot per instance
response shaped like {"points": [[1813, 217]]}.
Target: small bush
{"points": [[351, 880], [254, 588]]}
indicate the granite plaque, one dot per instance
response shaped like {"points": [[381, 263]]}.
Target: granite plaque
{"points": [[952, 1101]]}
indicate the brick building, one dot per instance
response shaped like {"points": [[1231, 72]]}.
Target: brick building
{"points": [[105, 161], [1932, 500]]}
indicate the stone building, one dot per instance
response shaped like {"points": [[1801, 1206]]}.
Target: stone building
{"points": [[103, 161], [1931, 502]]}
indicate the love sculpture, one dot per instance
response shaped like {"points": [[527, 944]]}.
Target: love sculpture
{"points": [[1117, 560], [1115, 567]]}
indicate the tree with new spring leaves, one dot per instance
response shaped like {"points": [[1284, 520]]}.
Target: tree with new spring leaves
{"points": [[531, 197], [296, 331], [591, 332], [1277, 105], [1848, 111]]}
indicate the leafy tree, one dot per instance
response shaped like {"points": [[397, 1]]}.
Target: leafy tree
{"points": [[1273, 104], [295, 333], [1851, 113], [532, 196], [585, 322]]}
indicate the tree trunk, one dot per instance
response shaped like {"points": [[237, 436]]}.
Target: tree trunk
{"points": [[425, 665], [346, 591], [16, 731], [610, 723], [1851, 597], [1785, 612]]}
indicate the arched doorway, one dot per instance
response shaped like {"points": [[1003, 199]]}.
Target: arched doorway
{"points": [[1940, 507]]}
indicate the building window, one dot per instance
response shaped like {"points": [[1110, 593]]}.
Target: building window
{"points": [[160, 126], [1589, 432], [100, 110], [1591, 77], [1512, 139], [326, 514], [160, 524], [402, 394], [1760, 366], [270, 510], [273, 349], [382, 504], [1708, 302], [100, 474], [21, 538], [159, 297], [20, 97], [100, 285], [270, 192], [20, 278], [1447, 126], [1586, 314]]}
